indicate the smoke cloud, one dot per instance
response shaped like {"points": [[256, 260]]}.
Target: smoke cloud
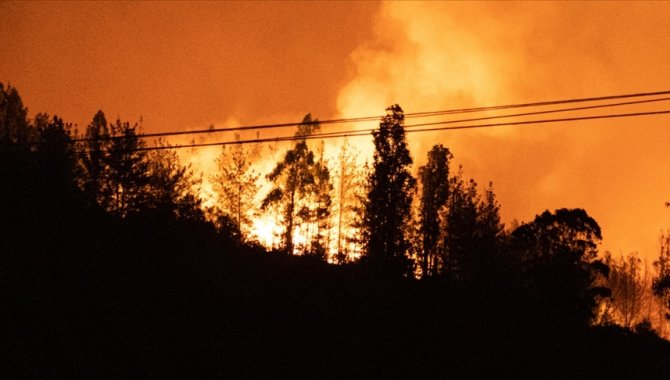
{"points": [[435, 56]]}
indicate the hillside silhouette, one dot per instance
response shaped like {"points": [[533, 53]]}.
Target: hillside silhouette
{"points": [[111, 267]]}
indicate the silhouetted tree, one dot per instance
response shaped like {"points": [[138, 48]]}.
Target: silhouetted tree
{"points": [[128, 171], [14, 127], [119, 175], [558, 251], [461, 240], [490, 233], [434, 181], [93, 150], [17, 161], [56, 160], [38, 164], [293, 179], [391, 188], [172, 187], [236, 183], [321, 204]]}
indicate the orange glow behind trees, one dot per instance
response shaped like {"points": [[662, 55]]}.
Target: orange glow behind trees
{"points": [[183, 66], [193, 228]]}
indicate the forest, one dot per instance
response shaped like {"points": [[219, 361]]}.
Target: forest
{"points": [[113, 265]]}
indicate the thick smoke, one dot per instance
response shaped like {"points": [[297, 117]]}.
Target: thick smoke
{"points": [[435, 56]]}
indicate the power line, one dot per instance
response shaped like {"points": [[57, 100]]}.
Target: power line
{"points": [[376, 118], [548, 103], [567, 119], [366, 132], [551, 111]]}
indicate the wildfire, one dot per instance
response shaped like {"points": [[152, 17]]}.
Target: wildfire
{"points": [[264, 229], [434, 56]]}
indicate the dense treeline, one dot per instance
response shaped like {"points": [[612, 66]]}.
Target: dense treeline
{"points": [[111, 266]]}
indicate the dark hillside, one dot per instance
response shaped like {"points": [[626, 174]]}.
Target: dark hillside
{"points": [[131, 298]]}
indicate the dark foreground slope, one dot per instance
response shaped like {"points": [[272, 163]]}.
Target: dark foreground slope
{"points": [[92, 296]]}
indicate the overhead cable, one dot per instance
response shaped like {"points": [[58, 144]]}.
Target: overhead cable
{"points": [[409, 129], [376, 118]]}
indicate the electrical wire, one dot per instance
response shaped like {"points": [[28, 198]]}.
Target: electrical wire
{"points": [[367, 132], [376, 118]]}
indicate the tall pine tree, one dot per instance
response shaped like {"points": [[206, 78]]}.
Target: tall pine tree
{"points": [[128, 175], [461, 243], [391, 189], [321, 207], [434, 179], [93, 150]]}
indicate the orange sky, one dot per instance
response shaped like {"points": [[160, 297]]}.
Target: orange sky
{"points": [[188, 65]]}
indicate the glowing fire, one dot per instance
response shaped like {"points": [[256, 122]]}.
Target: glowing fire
{"points": [[263, 229], [443, 58]]}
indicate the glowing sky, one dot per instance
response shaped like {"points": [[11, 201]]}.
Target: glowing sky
{"points": [[189, 65]]}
